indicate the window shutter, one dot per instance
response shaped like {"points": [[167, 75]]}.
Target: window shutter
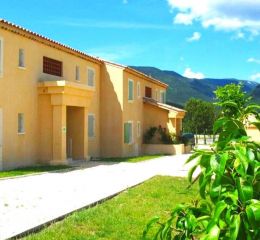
{"points": [[91, 125], [126, 133], [91, 77], [21, 58], [130, 90]]}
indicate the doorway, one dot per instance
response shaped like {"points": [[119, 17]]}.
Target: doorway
{"points": [[75, 133]]}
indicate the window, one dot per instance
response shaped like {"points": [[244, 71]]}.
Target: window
{"points": [[138, 90], [21, 62], [130, 90], [156, 94], [1, 56], [91, 125], [52, 66], [138, 129], [148, 92], [163, 96], [128, 132], [91, 77], [77, 76], [20, 123]]}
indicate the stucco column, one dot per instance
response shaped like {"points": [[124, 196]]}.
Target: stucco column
{"points": [[59, 135]]}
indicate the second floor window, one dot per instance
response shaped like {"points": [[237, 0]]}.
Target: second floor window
{"points": [[21, 62], [130, 90], [148, 92], [163, 96], [91, 77], [52, 66], [138, 89], [77, 73]]}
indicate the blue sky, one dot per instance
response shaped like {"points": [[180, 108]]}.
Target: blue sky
{"points": [[206, 38]]}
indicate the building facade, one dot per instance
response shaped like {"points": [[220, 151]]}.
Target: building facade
{"points": [[57, 103]]}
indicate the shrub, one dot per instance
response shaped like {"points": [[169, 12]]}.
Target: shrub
{"points": [[229, 183]]}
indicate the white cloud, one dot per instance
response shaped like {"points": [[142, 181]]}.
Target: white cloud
{"points": [[125, 1], [190, 74], [255, 77], [195, 37], [232, 15], [253, 60]]}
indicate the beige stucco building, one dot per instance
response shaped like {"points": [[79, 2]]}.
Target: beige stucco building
{"points": [[57, 103]]}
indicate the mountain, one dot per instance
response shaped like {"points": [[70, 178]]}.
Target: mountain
{"points": [[181, 88], [256, 94]]}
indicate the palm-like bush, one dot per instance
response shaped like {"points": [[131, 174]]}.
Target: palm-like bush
{"points": [[229, 181]]}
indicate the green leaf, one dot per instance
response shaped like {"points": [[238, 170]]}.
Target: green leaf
{"points": [[214, 164], [149, 225], [253, 213], [220, 207], [191, 171], [234, 226], [245, 189], [213, 231], [193, 156]]}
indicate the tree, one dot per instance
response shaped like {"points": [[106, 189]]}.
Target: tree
{"points": [[234, 102], [229, 182], [200, 117]]}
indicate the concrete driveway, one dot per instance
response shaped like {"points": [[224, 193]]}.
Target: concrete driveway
{"points": [[28, 202]]}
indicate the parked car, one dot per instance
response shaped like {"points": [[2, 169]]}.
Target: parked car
{"points": [[188, 139]]}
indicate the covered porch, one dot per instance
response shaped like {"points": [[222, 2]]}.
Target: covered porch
{"points": [[63, 111]]}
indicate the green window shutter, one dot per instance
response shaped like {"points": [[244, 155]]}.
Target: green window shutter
{"points": [[130, 90], [130, 132], [91, 126], [126, 133]]}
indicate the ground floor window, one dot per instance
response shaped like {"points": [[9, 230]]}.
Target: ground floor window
{"points": [[91, 125], [128, 132], [21, 129]]}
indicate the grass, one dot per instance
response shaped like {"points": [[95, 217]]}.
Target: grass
{"points": [[30, 170], [132, 159], [123, 217]]}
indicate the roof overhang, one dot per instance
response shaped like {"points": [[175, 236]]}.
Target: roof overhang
{"points": [[173, 112]]}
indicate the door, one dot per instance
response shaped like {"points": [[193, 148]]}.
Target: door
{"points": [[1, 139]]}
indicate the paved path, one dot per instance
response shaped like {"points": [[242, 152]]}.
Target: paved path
{"points": [[28, 202]]}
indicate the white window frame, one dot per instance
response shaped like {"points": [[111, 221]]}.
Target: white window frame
{"points": [[94, 80], [77, 73], [21, 58], [131, 141], [138, 126], [20, 124], [1, 57], [128, 90], [94, 125], [138, 89]]}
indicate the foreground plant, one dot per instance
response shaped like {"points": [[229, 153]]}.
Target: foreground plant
{"points": [[229, 181]]}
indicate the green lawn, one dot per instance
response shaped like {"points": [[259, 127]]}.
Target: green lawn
{"points": [[132, 159], [123, 217], [30, 170]]}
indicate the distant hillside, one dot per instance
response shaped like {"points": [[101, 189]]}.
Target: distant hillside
{"points": [[256, 94], [181, 88]]}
